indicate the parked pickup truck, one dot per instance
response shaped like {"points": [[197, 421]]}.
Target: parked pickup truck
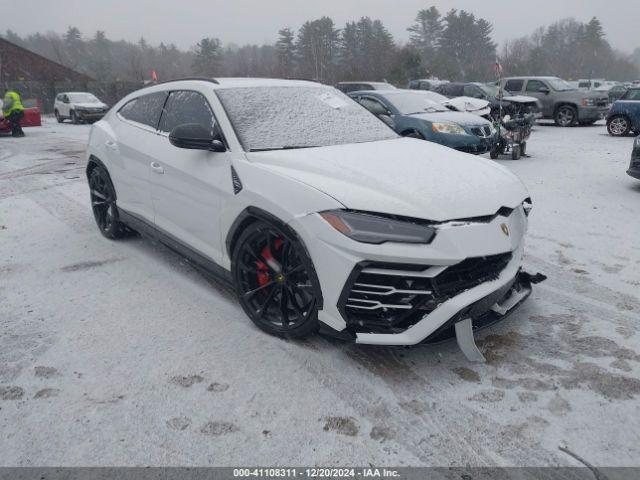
{"points": [[563, 103]]}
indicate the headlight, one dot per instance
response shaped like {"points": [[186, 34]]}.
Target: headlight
{"points": [[371, 228], [451, 128], [588, 102]]}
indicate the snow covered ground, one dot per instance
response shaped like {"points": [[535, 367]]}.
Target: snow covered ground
{"points": [[119, 353]]}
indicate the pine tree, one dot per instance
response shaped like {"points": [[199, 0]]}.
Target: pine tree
{"points": [[207, 57], [285, 51], [425, 34]]}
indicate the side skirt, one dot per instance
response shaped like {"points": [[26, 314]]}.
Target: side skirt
{"points": [[155, 234]]}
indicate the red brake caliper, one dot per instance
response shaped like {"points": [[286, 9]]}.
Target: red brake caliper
{"points": [[263, 269]]}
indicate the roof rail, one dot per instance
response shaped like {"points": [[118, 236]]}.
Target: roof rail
{"points": [[202, 79]]}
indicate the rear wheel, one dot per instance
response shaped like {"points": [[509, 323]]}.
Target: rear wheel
{"points": [[58, 117], [103, 203], [566, 116], [523, 148], [618, 126], [515, 152], [274, 281]]}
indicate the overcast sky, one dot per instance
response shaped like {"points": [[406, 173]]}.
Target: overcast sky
{"points": [[184, 22]]}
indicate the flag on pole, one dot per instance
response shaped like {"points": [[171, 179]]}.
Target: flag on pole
{"points": [[154, 75], [498, 69]]}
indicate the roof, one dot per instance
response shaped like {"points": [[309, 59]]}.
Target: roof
{"points": [[531, 77], [17, 64], [240, 82]]}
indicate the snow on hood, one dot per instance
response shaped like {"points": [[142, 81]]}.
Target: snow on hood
{"points": [[467, 104], [461, 118], [404, 176], [89, 105], [520, 99]]}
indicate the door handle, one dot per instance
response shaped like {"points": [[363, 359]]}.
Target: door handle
{"points": [[156, 167], [111, 144]]}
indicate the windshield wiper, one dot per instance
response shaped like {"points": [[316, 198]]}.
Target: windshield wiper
{"points": [[285, 147]]}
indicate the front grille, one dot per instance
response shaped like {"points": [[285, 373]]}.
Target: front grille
{"points": [[389, 298]]}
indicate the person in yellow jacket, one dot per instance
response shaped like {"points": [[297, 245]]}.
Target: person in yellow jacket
{"points": [[13, 111]]}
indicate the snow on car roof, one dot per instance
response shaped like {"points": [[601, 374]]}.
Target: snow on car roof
{"points": [[235, 82]]}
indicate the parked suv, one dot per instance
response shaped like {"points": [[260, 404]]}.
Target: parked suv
{"points": [[319, 215], [511, 104], [564, 103], [78, 107], [425, 83], [624, 115]]}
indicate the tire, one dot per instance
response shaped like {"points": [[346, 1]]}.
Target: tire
{"points": [[275, 281], [74, 118], [566, 116], [494, 153], [515, 152], [523, 148], [413, 134], [103, 204], [58, 117], [618, 126]]}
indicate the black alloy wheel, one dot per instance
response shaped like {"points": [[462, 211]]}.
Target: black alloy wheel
{"points": [[103, 204], [273, 280]]}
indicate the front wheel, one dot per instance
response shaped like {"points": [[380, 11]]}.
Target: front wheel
{"points": [[566, 116], [58, 117], [618, 126], [74, 118], [274, 280], [103, 204]]}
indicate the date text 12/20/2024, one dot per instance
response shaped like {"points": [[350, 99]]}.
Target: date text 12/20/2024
{"points": [[315, 473]]}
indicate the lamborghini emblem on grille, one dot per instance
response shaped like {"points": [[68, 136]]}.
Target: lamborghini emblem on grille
{"points": [[505, 229]]}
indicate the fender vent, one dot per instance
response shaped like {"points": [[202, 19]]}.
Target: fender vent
{"points": [[235, 180]]}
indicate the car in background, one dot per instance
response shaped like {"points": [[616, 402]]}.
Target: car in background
{"points": [[32, 116], [425, 83], [413, 114], [560, 101], [624, 115], [346, 87], [79, 107], [509, 104], [634, 167]]}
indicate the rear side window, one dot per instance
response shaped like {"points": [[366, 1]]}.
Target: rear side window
{"points": [[473, 91], [145, 109], [513, 85], [374, 106], [632, 95], [187, 107], [535, 85]]}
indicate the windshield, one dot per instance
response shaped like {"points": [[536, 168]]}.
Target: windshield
{"points": [[273, 118], [560, 85], [83, 98], [408, 103], [490, 90]]}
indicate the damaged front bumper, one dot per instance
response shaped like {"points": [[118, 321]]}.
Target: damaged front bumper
{"points": [[489, 310]]}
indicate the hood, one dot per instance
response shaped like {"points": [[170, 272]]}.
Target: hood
{"points": [[403, 176], [89, 105], [467, 104], [461, 118], [520, 99]]}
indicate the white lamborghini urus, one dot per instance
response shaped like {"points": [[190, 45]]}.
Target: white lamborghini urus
{"points": [[320, 216]]}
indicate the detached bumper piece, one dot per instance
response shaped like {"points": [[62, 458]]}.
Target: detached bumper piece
{"points": [[487, 311]]}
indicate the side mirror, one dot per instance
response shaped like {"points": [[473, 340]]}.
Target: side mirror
{"points": [[194, 136], [544, 90]]}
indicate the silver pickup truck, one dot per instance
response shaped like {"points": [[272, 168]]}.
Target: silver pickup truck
{"points": [[565, 104]]}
